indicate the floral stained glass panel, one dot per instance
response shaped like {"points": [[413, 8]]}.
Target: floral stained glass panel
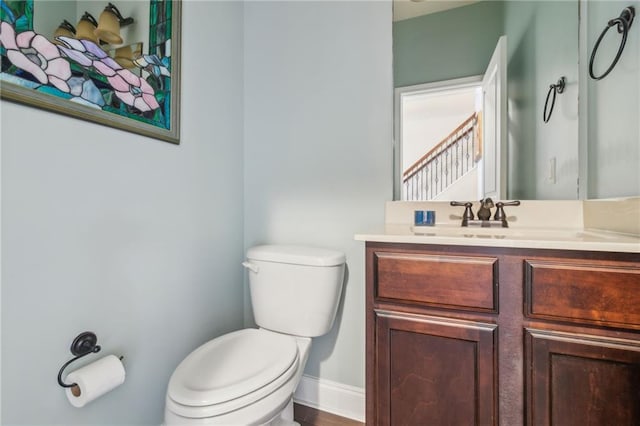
{"points": [[84, 72]]}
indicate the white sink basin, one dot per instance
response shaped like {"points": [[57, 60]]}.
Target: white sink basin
{"points": [[534, 234]]}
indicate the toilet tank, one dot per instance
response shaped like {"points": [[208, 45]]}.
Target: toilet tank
{"points": [[295, 289]]}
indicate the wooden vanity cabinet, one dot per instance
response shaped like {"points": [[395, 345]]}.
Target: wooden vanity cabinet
{"points": [[431, 336], [486, 336], [580, 375]]}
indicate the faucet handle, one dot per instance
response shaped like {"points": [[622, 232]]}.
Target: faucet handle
{"points": [[509, 203], [500, 214], [468, 213]]}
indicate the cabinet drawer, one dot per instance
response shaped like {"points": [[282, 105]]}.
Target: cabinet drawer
{"points": [[575, 291], [457, 282]]}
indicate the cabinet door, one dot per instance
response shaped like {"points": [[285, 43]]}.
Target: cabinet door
{"points": [[581, 380], [434, 371]]}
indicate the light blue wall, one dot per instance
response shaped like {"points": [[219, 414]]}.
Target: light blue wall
{"points": [[613, 130], [287, 118], [318, 129], [135, 239]]}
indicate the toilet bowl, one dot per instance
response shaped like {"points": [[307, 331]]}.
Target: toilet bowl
{"points": [[222, 381], [248, 377]]}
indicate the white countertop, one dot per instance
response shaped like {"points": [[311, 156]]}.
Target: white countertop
{"points": [[538, 238], [592, 225]]}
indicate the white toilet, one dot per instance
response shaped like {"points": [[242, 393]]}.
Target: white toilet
{"points": [[248, 377]]}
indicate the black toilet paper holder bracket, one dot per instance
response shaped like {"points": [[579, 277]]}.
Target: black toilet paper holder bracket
{"points": [[84, 344]]}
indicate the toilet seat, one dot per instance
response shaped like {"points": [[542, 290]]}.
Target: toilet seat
{"points": [[232, 371]]}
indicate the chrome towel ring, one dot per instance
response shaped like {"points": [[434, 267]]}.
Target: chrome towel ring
{"points": [[554, 88], [623, 23]]}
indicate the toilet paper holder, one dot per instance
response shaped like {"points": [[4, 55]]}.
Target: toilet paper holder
{"points": [[84, 344]]}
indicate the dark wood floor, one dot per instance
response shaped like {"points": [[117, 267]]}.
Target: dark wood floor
{"points": [[308, 416]]}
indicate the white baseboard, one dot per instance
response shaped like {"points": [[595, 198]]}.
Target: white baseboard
{"points": [[332, 397]]}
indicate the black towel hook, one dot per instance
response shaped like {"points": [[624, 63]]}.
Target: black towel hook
{"points": [[84, 344], [554, 88], [623, 23]]}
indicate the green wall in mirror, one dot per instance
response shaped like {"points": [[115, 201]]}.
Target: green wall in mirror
{"points": [[585, 139]]}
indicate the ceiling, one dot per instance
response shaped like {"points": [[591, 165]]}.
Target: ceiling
{"points": [[405, 9]]}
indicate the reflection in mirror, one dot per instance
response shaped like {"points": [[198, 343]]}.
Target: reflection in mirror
{"points": [[467, 161], [542, 43], [546, 41], [110, 62], [92, 20]]}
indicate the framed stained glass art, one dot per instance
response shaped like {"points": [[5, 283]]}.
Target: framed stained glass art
{"points": [[114, 63]]}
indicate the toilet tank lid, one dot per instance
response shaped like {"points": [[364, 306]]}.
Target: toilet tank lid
{"points": [[297, 255]]}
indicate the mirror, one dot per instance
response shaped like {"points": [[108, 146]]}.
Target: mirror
{"points": [[578, 151], [115, 63]]}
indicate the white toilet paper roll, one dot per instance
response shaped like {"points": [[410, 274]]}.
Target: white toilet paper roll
{"points": [[94, 380]]}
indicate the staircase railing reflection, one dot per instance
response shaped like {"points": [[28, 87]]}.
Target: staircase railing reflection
{"points": [[444, 164]]}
